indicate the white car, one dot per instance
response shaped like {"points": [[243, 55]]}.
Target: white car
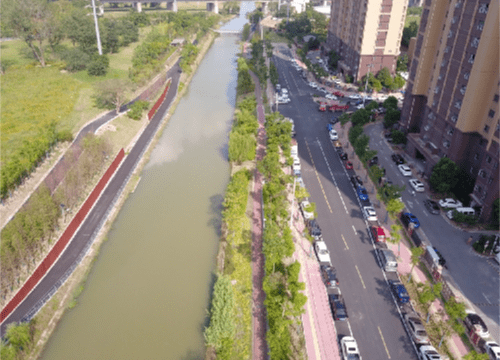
{"points": [[285, 92], [405, 170], [304, 205], [331, 97], [350, 349], [296, 167], [450, 203], [383, 97], [417, 185], [337, 81], [278, 87], [360, 106], [492, 349], [313, 85], [355, 97], [368, 98], [283, 100], [334, 136], [322, 252], [300, 182], [369, 213], [428, 352]]}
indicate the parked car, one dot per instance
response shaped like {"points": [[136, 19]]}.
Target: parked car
{"points": [[378, 234], [408, 218], [343, 155], [350, 349], [338, 145], [278, 87], [399, 291], [284, 91], [356, 181], [333, 135], [304, 207], [322, 252], [428, 352], [442, 260], [405, 170], [329, 275], [334, 120], [492, 349], [416, 328], [432, 206], [417, 185], [398, 159], [331, 97], [474, 320], [355, 97], [313, 85], [348, 165], [373, 161], [370, 213], [450, 203], [337, 305], [362, 194], [300, 182], [360, 106], [314, 229]]}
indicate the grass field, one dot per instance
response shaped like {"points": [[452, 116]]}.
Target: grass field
{"points": [[32, 97]]}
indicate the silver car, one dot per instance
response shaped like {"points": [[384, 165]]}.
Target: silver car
{"points": [[416, 328]]}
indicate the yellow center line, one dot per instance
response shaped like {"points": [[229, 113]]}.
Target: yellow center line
{"points": [[345, 243], [317, 175], [362, 282], [383, 341]]}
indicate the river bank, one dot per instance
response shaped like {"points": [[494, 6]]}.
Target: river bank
{"points": [[46, 320]]}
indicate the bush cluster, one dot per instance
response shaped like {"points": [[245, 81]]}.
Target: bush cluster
{"points": [[242, 139], [137, 108]]}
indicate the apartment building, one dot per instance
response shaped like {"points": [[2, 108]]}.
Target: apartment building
{"points": [[366, 34], [451, 106]]}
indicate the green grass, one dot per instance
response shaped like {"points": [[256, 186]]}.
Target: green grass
{"points": [[411, 18], [276, 38]]}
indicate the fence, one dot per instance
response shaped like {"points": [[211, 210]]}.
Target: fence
{"points": [[60, 245], [159, 101]]}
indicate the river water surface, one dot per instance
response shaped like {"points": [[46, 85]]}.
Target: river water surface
{"points": [[147, 294]]}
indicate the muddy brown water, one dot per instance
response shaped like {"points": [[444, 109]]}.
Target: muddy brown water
{"points": [[148, 292]]}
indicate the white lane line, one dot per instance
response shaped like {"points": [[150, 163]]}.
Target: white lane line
{"points": [[333, 177], [354, 229], [489, 302]]}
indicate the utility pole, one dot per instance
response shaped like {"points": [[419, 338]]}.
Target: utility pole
{"points": [[99, 47]]}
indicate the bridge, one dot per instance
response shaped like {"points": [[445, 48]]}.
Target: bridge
{"points": [[227, 31], [212, 5]]}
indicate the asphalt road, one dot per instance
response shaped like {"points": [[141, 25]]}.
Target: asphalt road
{"points": [[478, 278], [374, 318], [95, 219]]}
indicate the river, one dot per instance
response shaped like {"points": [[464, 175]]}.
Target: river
{"points": [[147, 294]]}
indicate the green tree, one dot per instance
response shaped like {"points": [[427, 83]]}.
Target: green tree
{"points": [[399, 82], [398, 137], [111, 93], [391, 118], [333, 59], [360, 117], [416, 253], [394, 207], [384, 76], [444, 175], [98, 65], [473, 355], [246, 32], [408, 32], [402, 63], [395, 237], [391, 103], [273, 74], [429, 293], [221, 328]]}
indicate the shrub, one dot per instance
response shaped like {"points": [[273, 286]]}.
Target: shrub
{"points": [[98, 66], [398, 137], [75, 59], [136, 109], [464, 219]]}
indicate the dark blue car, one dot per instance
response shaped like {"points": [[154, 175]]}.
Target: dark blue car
{"points": [[399, 291], [329, 127], [410, 218], [362, 194]]}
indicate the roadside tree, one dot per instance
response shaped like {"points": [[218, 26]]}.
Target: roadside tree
{"points": [[444, 175], [390, 103], [394, 207], [111, 93]]}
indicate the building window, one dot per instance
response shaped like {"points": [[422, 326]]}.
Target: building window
{"points": [[436, 90], [480, 25], [486, 128], [426, 137], [446, 144], [454, 19], [477, 189], [491, 113], [458, 104], [431, 116], [490, 180], [454, 119], [495, 98], [443, 63], [434, 102], [450, 131], [457, 5], [476, 156], [427, 127], [488, 159], [471, 170], [483, 173], [466, 76], [471, 58], [463, 89], [483, 8], [450, 34], [447, 50], [440, 76], [495, 165], [475, 42]]}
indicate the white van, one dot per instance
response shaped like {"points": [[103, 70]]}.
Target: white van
{"points": [[389, 262], [463, 210]]}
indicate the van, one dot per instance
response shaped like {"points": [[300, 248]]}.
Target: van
{"points": [[463, 210], [388, 260]]}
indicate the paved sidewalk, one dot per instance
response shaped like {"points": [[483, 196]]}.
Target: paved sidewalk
{"points": [[259, 322]]}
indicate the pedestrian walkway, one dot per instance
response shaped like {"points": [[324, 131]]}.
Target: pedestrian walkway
{"points": [[259, 323]]}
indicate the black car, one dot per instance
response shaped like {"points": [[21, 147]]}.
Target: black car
{"points": [[337, 305], [334, 120], [474, 320], [313, 227], [442, 261], [398, 159], [343, 155], [329, 276], [373, 161], [356, 181], [432, 206]]}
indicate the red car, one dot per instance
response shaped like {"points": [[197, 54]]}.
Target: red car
{"points": [[322, 107], [338, 93], [348, 165]]}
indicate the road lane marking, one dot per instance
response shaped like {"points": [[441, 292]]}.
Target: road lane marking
{"points": [[333, 177], [354, 229], [383, 341], [317, 175], [488, 300], [345, 243], [362, 282], [410, 204]]}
